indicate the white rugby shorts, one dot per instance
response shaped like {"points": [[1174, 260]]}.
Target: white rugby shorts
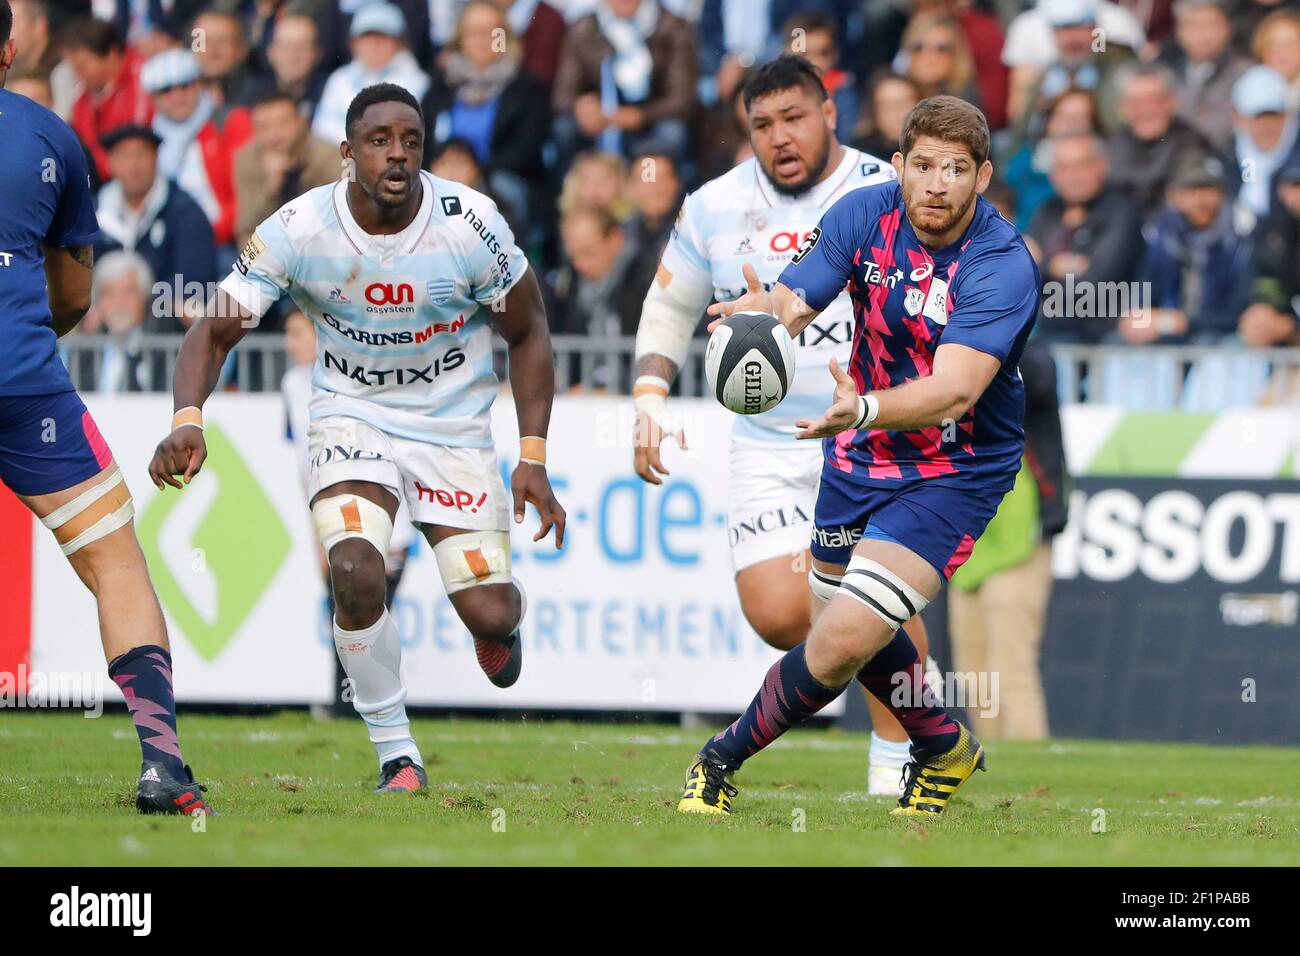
{"points": [[771, 500], [441, 484]]}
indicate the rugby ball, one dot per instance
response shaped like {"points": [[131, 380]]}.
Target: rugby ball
{"points": [[749, 363]]}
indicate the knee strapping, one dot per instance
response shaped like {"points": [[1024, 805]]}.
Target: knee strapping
{"points": [[824, 585], [350, 516], [98, 511], [884, 592], [473, 559]]}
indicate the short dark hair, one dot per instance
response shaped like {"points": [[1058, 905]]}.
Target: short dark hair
{"points": [[273, 95], [786, 71], [379, 93], [86, 33], [6, 21], [950, 119], [454, 144]]}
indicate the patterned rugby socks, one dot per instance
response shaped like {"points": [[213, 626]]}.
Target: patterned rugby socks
{"points": [[789, 696], [896, 678], [144, 675]]}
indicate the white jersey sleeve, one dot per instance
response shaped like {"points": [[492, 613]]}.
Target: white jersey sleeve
{"points": [[685, 255], [263, 271], [494, 263]]}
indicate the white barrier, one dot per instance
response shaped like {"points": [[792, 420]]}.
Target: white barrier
{"points": [[638, 611]]}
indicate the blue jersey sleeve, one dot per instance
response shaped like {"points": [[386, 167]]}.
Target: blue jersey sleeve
{"points": [[993, 299], [74, 222], [823, 265]]}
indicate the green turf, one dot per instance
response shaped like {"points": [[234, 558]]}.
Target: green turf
{"points": [[296, 791]]}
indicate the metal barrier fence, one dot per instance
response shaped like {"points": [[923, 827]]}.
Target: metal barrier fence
{"points": [[1190, 378]]}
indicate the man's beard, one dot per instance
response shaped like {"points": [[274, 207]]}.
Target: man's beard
{"points": [[953, 216], [805, 184]]}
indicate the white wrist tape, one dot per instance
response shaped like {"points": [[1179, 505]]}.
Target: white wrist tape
{"points": [[869, 410], [654, 406]]}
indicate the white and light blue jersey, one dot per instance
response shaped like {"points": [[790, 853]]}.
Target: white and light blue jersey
{"points": [[740, 218], [403, 338]]}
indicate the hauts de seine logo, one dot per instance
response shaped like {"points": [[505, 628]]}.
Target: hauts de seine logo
{"points": [[214, 549]]}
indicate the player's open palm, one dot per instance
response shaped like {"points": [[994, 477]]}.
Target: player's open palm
{"points": [[844, 413], [530, 485], [180, 455], [755, 299]]}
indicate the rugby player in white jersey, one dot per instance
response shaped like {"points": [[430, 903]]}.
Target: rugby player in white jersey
{"points": [[760, 213], [405, 275]]}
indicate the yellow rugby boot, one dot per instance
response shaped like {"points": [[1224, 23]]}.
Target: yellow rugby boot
{"points": [[930, 779], [708, 787]]}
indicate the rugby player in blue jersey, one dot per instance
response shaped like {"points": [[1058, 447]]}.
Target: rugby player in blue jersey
{"points": [[922, 440], [52, 455]]}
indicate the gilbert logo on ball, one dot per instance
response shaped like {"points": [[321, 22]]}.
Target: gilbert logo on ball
{"points": [[749, 362]]}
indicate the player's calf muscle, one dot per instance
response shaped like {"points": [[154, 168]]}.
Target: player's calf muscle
{"points": [[490, 611], [774, 598]]}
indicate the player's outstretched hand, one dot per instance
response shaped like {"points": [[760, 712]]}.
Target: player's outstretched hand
{"points": [[531, 485], [756, 299], [651, 428], [844, 410], [182, 453]]}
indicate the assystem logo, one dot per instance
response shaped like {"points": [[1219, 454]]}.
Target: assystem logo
{"points": [[234, 543]]}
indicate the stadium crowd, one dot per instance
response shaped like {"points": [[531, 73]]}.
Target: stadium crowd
{"points": [[1144, 144]]}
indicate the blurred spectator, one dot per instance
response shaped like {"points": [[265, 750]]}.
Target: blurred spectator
{"points": [[593, 294], [731, 38], [282, 161], [141, 212], [1151, 136], [120, 292], [540, 29], [293, 56], [727, 140], [1271, 318], [228, 72], [1205, 66], [454, 159], [148, 27], [109, 74], [1086, 235], [1276, 44], [889, 99], [627, 75], [35, 88], [597, 180], [1051, 49], [819, 44], [1073, 112], [997, 607], [196, 152], [1249, 16], [656, 190], [1195, 265], [484, 96], [37, 57], [337, 29], [379, 56], [1265, 137], [982, 30], [934, 55]]}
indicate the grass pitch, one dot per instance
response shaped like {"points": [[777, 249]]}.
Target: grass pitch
{"points": [[297, 791]]}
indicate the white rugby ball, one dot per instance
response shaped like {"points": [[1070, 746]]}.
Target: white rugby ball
{"points": [[749, 363]]}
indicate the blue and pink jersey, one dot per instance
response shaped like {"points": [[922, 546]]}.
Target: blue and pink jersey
{"points": [[981, 291]]}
